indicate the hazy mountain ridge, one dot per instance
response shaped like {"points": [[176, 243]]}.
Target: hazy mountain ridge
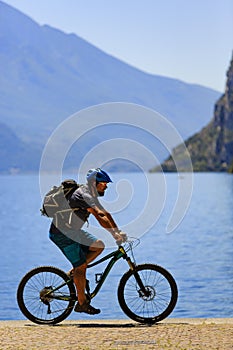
{"points": [[47, 75], [13, 151]]}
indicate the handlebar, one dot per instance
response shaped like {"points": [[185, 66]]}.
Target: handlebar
{"points": [[130, 243]]}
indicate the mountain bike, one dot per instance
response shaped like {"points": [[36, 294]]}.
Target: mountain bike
{"points": [[147, 293]]}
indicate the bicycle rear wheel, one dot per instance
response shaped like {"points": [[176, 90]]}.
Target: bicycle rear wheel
{"points": [[157, 300], [44, 296]]}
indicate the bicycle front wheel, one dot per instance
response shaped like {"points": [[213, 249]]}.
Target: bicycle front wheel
{"points": [[45, 295], [152, 303]]}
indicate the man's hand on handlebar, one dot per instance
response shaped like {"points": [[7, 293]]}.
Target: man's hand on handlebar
{"points": [[120, 237]]}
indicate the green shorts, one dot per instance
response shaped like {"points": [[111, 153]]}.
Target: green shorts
{"points": [[74, 251]]}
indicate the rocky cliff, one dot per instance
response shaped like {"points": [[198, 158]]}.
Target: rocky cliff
{"points": [[212, 148]]}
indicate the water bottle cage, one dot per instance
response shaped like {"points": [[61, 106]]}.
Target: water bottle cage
{"points": [[98, 277]]}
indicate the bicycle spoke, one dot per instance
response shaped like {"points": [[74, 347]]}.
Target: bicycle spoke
{"points": [[37, 300], [157, 298]]}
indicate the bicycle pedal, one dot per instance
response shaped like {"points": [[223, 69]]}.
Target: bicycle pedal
{"points": [[98, 277]]}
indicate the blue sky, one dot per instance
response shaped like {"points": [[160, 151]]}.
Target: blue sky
{"points": [[190, 40]]}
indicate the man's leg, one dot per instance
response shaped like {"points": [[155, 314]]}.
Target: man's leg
{"points": [[79, 273], [94, 250], [75, 255], [79, 278]]}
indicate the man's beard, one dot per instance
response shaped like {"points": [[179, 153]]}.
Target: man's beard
{"points": [[100, 194]]}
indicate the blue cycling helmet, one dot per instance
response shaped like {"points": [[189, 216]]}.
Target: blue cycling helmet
{"points": [[99, 175]]}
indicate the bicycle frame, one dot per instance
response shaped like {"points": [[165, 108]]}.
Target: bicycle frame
{"points": [[114, 256]]}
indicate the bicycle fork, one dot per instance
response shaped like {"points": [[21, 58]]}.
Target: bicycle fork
{"points": [[143, 291]]}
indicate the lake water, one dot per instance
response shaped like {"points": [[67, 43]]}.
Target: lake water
{"points": [[199, 253]]}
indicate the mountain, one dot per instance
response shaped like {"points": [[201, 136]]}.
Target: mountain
{"points": [[212, 148], [47, 75], [13, 150]]}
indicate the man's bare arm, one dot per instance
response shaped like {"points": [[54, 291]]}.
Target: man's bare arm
{"points": [[105, 219]]}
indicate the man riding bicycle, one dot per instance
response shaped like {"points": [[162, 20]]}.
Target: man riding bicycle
{"points": [[79, 246]]}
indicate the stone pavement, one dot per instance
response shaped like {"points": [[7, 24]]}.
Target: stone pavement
{"points": [[173, 333]]}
